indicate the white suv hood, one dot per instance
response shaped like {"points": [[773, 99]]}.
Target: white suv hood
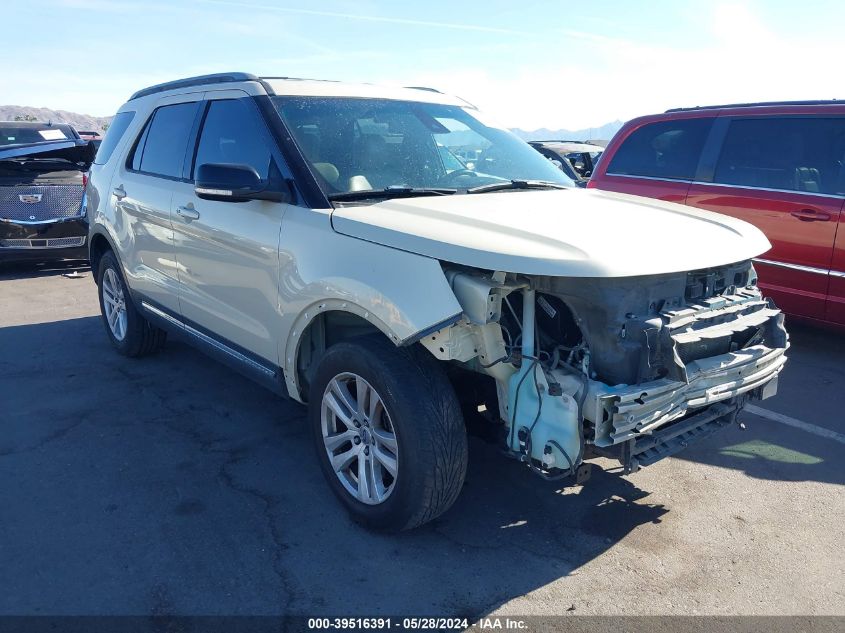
{"points": [[567, 233]]}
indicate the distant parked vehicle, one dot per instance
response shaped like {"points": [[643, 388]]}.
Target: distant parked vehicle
{"points": [[577, 159], [42, 191], [780, 166], [91, 136]]}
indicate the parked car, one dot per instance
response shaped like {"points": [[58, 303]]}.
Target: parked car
{"points": [[577, 159], [780, 166], [310, 234], [42, 184], [92, 136]]}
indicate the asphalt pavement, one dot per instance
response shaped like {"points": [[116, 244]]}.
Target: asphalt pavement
{"points": [[172, 485]]}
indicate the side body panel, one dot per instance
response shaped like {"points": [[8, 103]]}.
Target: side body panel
{"points": [[835, 312], [794, 271], [668, 190]]}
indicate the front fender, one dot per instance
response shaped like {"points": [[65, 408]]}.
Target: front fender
{"points": [[402, 294]]}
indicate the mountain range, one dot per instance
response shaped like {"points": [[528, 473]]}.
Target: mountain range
{"points": [[603, 132], [99, 123], [78, 121]]}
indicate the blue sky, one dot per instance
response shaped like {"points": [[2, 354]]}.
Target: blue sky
{"points": [[527, 63]]}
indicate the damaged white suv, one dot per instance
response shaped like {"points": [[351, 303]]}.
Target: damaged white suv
{"points": [[399, 263]]}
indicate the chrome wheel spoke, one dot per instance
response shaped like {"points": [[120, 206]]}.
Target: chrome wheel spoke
{"points": [[363, 392], [340, 412], [363, 478], [375, 406], [342, 461], [387, 460], [333, 442], [385, 439]]}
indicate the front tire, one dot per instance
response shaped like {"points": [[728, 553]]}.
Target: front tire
{"points": [[388, 432], [129, 332]]}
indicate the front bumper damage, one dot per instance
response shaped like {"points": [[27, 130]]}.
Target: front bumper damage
{"points": [[692, 362]]}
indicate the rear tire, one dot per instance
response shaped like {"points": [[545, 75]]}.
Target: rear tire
{"points": [[129, 332], [406, 439]]}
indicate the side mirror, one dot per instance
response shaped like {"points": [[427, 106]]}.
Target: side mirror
{"points": [[228, 182]]}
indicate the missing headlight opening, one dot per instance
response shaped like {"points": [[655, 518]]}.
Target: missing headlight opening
{"points": [[632, 368]]}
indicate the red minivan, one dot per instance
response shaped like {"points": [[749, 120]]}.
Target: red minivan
{"points": [[779, 166]]}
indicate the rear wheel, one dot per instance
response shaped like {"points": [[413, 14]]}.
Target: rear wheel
{"points": [[127, 329], [388, 432]]}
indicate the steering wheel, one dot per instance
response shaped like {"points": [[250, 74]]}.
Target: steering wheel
{"points": [[448, 178]]}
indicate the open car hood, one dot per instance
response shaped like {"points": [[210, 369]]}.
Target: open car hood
{"points": [[71, 150], [571, 233]]}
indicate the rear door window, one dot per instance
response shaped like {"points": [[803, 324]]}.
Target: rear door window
{"points": [[165, 140], [666, 149], [232, 134], [785, 153]]}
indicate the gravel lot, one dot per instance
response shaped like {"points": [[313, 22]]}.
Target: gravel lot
{"points": [[172, 485]]}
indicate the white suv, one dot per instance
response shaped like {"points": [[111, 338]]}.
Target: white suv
{"points": [[328, 240]]}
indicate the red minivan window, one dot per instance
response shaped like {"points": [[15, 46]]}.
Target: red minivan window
{"points": [[658, 159]]}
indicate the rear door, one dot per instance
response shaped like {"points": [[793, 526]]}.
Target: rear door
{"points": [[142, 189], [227, 252], [657, 159], [783, 174]]}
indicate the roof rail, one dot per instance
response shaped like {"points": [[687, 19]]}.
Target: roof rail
{"points": [[216, 78], [760, 103], [426, 88]]}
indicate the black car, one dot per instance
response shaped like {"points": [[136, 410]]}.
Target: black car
{"points": [[577, 159], [42, 191]]}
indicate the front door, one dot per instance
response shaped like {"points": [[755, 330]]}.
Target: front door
{"points": [[227, 252]]}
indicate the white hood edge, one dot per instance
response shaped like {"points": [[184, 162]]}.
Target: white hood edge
{"points": [[564, 233]]}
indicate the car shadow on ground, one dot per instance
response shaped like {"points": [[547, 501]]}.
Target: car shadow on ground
{"points": [[173, 485]]}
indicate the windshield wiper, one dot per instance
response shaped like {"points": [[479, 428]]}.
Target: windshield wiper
{"points": [[390, 192], [516, 184]]}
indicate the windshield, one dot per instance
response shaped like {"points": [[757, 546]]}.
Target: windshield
{"points": [[356, 144]]}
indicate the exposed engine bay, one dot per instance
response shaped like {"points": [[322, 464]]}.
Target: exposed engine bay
{"points": [[632, 368]]}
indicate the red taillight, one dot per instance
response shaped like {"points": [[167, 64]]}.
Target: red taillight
{"points": [[84, 178]]}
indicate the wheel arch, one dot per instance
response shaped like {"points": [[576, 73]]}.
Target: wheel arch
{"points": [[328, 322], [99, 244]]}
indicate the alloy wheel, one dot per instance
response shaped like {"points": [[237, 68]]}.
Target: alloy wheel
{"points": [[114, 304], [359, 438]]}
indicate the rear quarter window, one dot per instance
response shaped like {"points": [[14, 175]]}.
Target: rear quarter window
{"points": [[665, 149], [116, 130]]}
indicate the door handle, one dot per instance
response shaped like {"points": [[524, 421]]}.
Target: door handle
{"points": [[119, 192], [810, 215], [187, 213]]}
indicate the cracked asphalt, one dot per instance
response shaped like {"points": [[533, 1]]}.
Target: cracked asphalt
{"points": [[172, 485]]}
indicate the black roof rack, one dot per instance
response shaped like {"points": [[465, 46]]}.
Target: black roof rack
{"points": [[426, 88], [216, 78], [760, 103]]}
